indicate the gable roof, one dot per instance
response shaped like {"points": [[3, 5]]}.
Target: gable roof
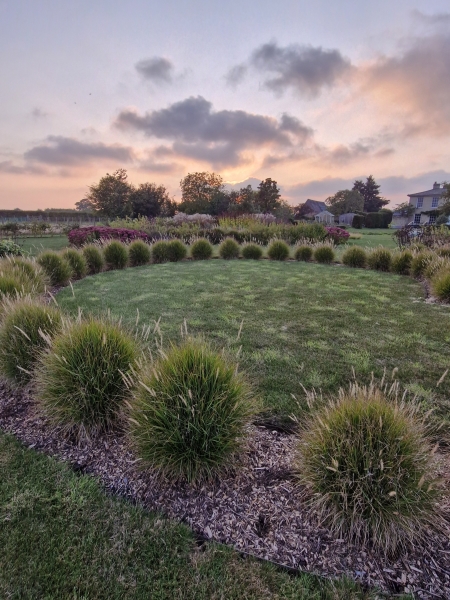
{"points": [[436, 191], [315, 205]]}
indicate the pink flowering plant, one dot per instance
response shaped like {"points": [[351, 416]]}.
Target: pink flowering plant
{"points": [[86, 235], [338, 235]]}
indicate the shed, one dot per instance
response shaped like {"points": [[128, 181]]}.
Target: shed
{"points": [[325, 217], [346, 219]]}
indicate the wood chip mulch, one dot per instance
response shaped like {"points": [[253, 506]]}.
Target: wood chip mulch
{"points": [[257, 510]]}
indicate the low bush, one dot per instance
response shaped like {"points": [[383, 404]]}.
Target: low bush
{"points": [[201, 250], [77, 262], [324, 254], [401, 262], [304, 253], [445, 251], [86, 235], [9, 248], [278, 250], [159, 252], [420, 262], [19, 276], [80, 379], [56, 267], [229, 249], [337, 234], [176, 251], [380, 259], [355, 257], [189, 412], [252, 252], [139, 253], [25, 330], [94, 258], [440, 285], [116, 255], [368, 468]]}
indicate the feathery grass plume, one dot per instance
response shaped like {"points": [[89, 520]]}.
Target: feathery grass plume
{"points": [[252, 251], [355, 257], [435, 265], [420, 262], [324, 254], [80, 380], [56, 267], [444, 251], [116, 255], [77, 261], [304, 253], [201, 249], [379, 259], [440, 285], [189, 412], [20, 276], [401, 262], [278, 250], [25, 330], [229, 249], [368, 467], [176, 251], [94, 258], [159, 252], [139, 253]]}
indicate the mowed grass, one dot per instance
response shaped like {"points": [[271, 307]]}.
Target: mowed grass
{"points": [[35, 245], [302, 323], [370, 238], [62, 537]]}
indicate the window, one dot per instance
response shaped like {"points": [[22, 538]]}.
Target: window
{"points": [[435, 203], [432, 220], [417, 219], [420, 202]]}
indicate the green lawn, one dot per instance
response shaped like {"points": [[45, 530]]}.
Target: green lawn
{"points": [[302, 323], [373, 237], [35, 245], [62, 537]]}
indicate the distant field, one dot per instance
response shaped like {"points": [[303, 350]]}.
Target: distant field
{"points": [[35, 245], [373, 237]]}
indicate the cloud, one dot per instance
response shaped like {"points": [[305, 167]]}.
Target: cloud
{"points": [[7, 166], [156, 69], [38, 113], [59, 150], [219, 137], [414, 84], [438, 19], [305, 69]]}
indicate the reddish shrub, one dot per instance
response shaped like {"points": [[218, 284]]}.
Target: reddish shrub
{"points": [[86, 235], [338, 235]]}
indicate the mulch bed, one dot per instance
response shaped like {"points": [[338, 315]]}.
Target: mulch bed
{"points": [[257, 510]]}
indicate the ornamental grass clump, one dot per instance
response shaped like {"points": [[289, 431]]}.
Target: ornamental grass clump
{"points": [[229, 249], [159, 252], [176, 251], [139, 253], [94, 258], [189, 412], [324, 254], [278, 250], [56, 267], [420, 262], [401, 262], [252, 252], [116, 255], [440, 285], [369, 470], [80, 379], [380, 259], [304, 253], [77, 262], [26, 329], [354, 257], [19, 277], [201, 250]]}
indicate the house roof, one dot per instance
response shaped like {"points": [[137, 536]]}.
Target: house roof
{"points": [[323, 213], [315, 205], [436, 191]]}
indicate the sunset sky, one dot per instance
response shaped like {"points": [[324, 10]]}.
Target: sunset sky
{"points": [[311, 94]]}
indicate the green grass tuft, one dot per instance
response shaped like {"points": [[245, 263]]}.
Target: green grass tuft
{"points": [[176, 251], [278, 250], [401, 262], [380, 259], [139, 253], [201, 250], [56, 267], [304, 253], [252, 251], [354, 257], [324, 254], [94, 258], [77, 262], [420, 262], [116, 255], [229, 249], [159, 252], [440, 284]]}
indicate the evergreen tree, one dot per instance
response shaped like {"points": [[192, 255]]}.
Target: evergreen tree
{"points": [[268, 196], [369, 190]]}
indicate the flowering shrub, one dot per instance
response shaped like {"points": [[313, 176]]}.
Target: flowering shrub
{"points": [[85, 235], [338, 235], [9, 248]]}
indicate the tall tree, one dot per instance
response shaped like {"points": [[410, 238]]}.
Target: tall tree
{"points": [[345, 201], [445, 208], [198, 191], [268, 196], [151, 200], [84, 205], [369, 190], [111, 195]]}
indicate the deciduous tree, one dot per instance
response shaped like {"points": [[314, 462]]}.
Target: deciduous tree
{"points": [[268, 196], [151, 200], [110, 197], [345, 201], [198, 191]]}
